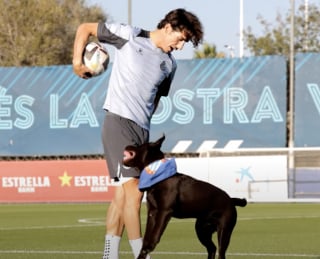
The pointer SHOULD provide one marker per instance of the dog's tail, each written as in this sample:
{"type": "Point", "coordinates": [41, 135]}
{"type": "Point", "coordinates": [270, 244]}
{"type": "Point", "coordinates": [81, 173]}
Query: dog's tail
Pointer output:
{"type": "Point", "coordinates": [239, 202]}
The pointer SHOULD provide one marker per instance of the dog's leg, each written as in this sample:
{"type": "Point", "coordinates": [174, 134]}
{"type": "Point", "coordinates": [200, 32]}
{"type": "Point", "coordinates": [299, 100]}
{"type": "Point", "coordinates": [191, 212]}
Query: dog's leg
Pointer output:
{"type": "Point", "coordinates": [204, 230]}
{"type": "Point", "coordinates": [157, 222]}
{"type": "Point", "coordinates": [224, 236]}
{"type": "Point", "coordinates": [225, 230]}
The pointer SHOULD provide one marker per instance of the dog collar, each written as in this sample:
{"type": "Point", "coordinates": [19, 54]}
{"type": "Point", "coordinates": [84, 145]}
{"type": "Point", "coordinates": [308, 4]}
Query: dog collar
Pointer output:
{"type": "Point", "coordinates": [156, 172]}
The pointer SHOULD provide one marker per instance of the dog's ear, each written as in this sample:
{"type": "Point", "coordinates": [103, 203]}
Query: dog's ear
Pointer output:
{"type": "Point", "coordinates": [157, 143]}
{"type": "Point", "coordinates": [160, 140]}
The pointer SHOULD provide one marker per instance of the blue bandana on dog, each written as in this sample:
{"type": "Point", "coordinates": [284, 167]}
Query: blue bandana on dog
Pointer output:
{"type": "Point", "coordinates": [156, 172]}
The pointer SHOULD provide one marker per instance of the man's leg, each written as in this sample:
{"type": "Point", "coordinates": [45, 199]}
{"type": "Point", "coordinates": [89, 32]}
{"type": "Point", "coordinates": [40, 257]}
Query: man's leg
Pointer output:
{"type": "Point", "coordinates": [114, 219]}
{"type": "Point", "coordinates": [114, 225]}
{"type": "Point", "coordinates": [131, 215]}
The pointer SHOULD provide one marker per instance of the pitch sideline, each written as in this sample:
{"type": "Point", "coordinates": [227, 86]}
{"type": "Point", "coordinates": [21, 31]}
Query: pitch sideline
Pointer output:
{"type": "Point", "coordinates": [159, 253]}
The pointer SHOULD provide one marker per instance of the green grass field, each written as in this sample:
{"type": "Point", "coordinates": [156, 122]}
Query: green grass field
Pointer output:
{"type": "Point", "coordinates": [72, 231]}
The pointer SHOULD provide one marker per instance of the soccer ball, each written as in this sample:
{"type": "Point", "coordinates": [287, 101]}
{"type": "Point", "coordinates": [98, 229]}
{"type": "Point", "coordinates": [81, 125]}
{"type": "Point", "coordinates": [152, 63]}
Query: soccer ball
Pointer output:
{"type": "Point", "coordinates": [96, 58]}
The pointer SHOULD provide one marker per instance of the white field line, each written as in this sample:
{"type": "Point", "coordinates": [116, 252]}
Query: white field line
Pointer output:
{"type": "Point", "coordinates": [89, 222]}
{"type": "Point", "coordinates": [282, 217]}
{"type": "Point", "coordinates": [160, 253]}
{"type": "Point", "coordinates": [50, 227]}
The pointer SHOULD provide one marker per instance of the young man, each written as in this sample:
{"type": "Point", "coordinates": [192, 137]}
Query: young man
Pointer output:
{"type": "Point", "coordinates": [142, 72]}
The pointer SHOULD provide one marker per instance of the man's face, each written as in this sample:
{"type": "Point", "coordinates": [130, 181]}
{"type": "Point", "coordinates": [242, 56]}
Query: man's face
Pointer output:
{"type": "Point", "coordinates": [174, 40]}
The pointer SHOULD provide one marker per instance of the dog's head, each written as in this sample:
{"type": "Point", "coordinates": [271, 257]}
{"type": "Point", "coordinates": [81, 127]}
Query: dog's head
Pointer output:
{"type": "Point", "coordinates": [141, 156]}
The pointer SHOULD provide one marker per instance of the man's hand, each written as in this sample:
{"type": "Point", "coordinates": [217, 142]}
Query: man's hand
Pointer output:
{"type": "Point", "coordinates": [83, 33]}
{"type": "Point", "coordinates": [81, 70]}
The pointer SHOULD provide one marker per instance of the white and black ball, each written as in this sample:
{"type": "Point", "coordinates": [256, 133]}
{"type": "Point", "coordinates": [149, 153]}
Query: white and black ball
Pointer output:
{"type": "Point", "coordinates": [96, 58]}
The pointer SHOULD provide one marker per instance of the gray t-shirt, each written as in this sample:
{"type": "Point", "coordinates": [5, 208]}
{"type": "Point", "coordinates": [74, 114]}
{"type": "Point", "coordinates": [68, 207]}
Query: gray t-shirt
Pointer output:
{"type": "Point", "coordinates": [140, 72]}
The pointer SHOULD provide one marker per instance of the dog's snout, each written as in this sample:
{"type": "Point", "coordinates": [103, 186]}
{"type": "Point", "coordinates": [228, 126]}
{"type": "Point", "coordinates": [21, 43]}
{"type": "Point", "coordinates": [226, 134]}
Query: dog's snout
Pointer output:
{"type": "Point", "coordinates": [128, 155]}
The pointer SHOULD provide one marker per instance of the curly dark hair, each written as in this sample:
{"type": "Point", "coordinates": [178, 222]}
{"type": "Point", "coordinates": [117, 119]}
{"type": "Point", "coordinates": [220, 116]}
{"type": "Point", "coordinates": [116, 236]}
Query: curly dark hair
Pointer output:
{"type": "Point", "coordinates": [182, 20]}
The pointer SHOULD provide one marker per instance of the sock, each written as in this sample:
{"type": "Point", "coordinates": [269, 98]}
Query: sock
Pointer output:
{"type": "Point", "coordinates": [136, 245]}
{"type": "Point", "coordinates": [111, 247]}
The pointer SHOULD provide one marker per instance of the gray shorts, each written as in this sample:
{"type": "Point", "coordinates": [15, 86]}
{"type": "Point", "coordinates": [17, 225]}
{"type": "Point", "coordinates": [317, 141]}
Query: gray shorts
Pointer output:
{"type": "Point", "coordinates": [117, 133]}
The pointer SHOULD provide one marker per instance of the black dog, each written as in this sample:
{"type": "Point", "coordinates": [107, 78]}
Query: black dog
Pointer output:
{"type": "Point", "coordinates": [182, 196]}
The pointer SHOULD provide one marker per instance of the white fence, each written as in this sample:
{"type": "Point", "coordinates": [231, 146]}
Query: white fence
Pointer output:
{"type": "Point", "coordinates": [260, 175]}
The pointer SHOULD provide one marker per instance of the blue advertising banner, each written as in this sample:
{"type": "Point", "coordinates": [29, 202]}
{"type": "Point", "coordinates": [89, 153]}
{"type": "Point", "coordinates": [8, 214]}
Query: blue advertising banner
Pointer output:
{"type": "Point", "coordinates": [215, 101]}
{"type": "Point", "coordinates": [307, 100]}
{"type": "Point", "coordinates": [48, 111]}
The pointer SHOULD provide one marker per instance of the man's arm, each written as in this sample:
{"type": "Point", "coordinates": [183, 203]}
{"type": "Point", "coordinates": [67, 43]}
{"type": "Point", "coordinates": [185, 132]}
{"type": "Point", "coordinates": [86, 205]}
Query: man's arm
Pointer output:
{"type": "Point", "coordinates": [83, 33]}
{"type": "Point", "coordinates": [162, 91]}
